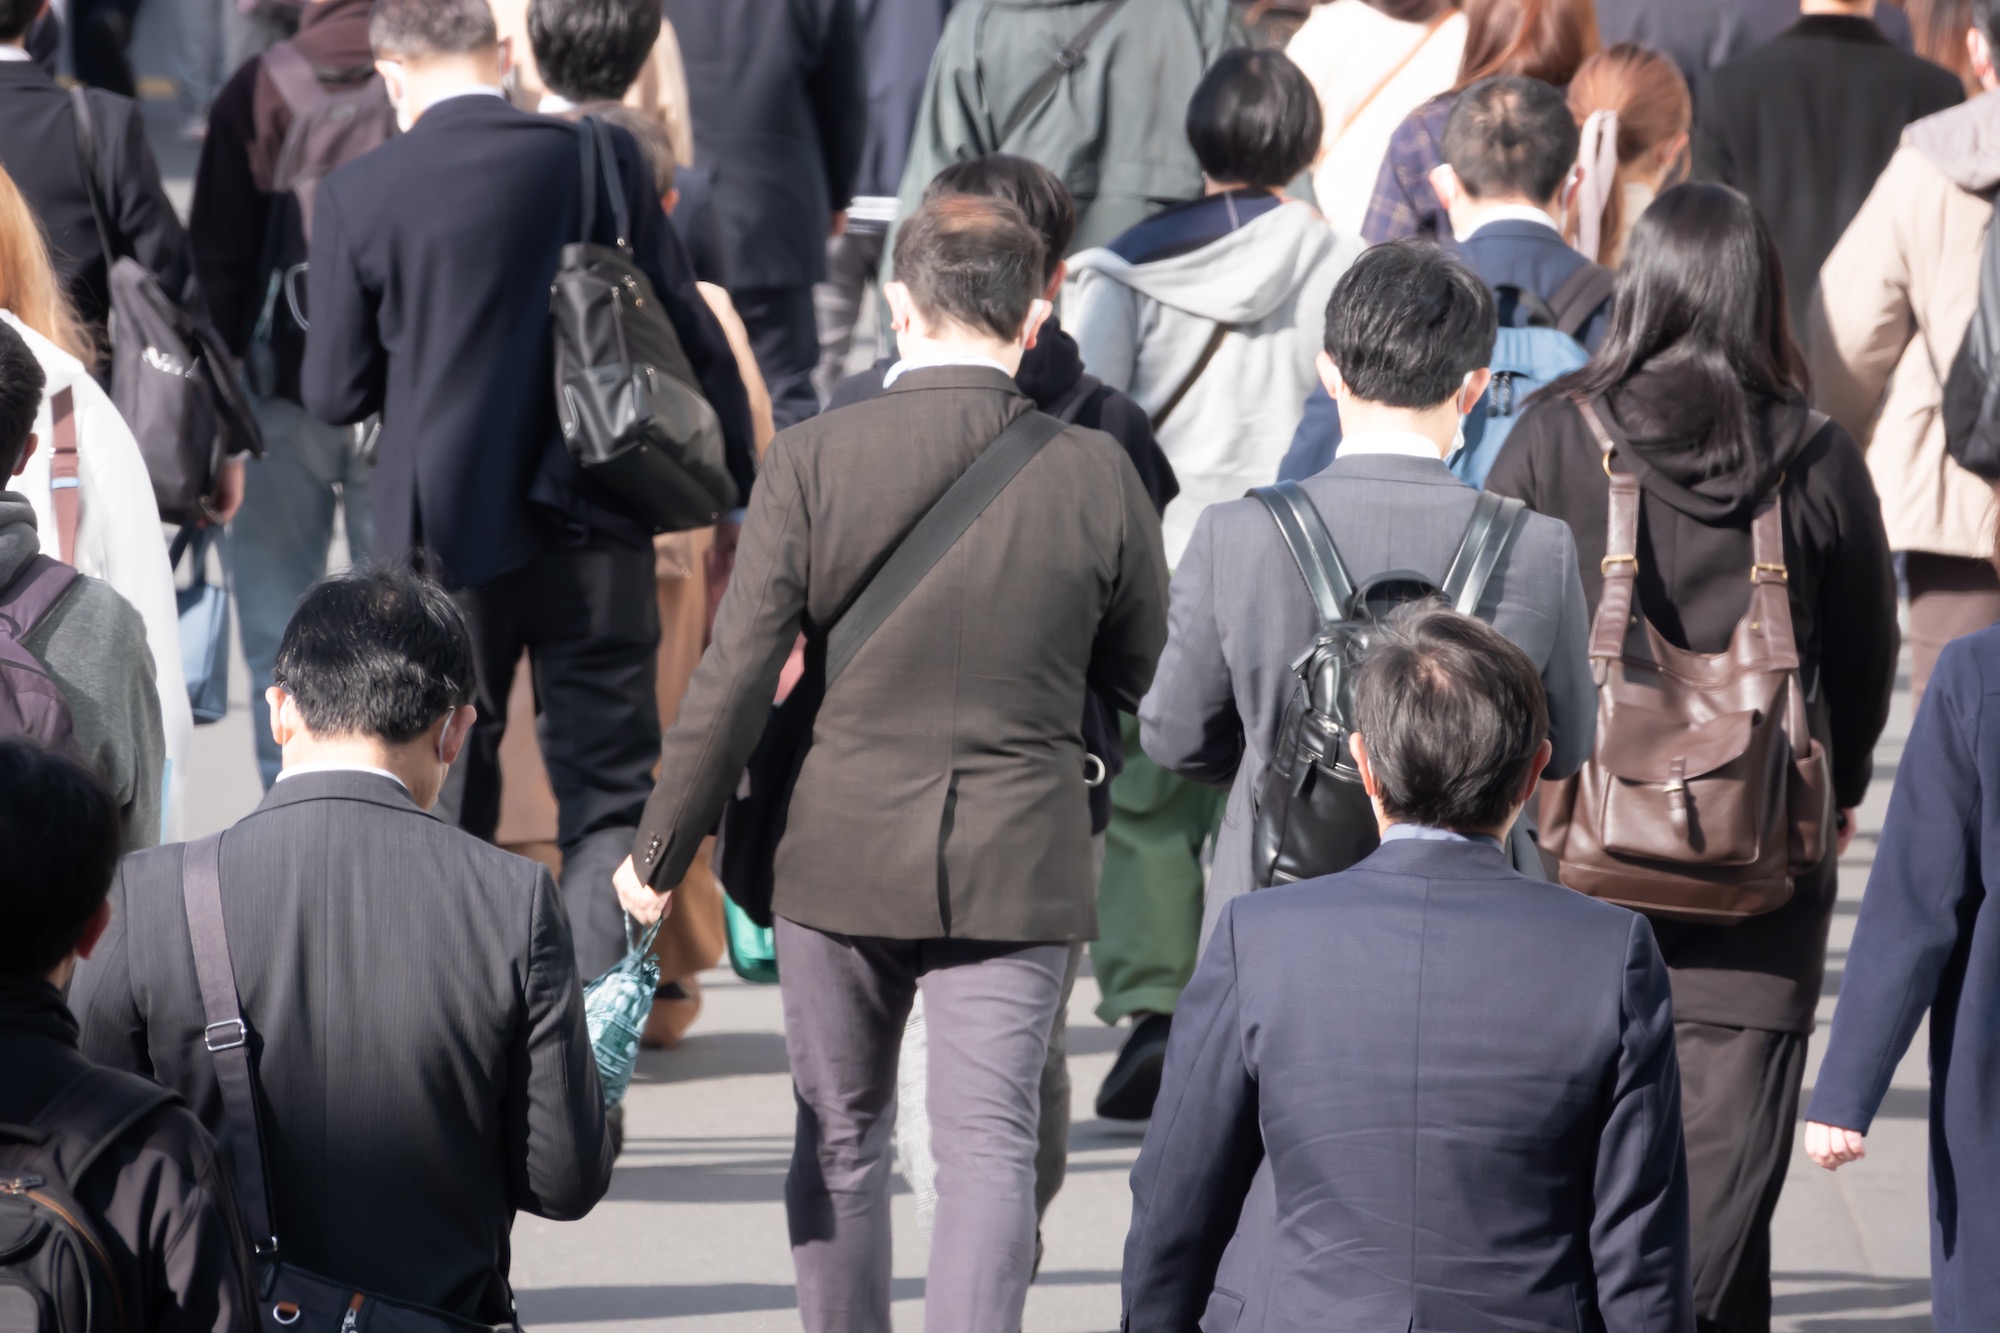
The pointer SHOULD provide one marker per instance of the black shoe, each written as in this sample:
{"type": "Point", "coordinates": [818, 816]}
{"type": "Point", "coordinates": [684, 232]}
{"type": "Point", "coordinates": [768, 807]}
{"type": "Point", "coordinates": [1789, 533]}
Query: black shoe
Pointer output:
{"type": "Point", "coordinates": [1134, 1081]}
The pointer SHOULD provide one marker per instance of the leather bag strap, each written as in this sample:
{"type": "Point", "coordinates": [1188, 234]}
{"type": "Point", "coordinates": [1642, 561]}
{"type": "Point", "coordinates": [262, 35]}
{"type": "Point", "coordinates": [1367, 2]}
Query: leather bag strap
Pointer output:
{"type": "Point", "coordinates": [1494, 521]}
{"type": "Point", "coordinates": [1620, 565]}
{"type": "Point", "coordinates": [86, 157]}
{"type": "Point", "coordinates": [1067, 59]}
{"type": "Point", "coordinates": [226, 1035]}
{"type": "Point", "coordinates": [295, 79]}
{"type": "Point", "coordinates": [936, 533]}
{"type": "Point", "coordinates": [1304, 530]}
{"type": "Point", "coordinates": [64, 488]}
{"type": "Point", "coordinates": [1208, 352]}
{"type": "Point", "coordinates": [1361, 107]}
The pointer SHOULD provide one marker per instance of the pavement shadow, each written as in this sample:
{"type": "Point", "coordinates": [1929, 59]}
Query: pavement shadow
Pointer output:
{"type": "Point", "coordinates": [706, 1055]}
{"type": "Point", "coordinates": [1850, 1302]}
{"type": "Point", "coordinates": [584, 1305]}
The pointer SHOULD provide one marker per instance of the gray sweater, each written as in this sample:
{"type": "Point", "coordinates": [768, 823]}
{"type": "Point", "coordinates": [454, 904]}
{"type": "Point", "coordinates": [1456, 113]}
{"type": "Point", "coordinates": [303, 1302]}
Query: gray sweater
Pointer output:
{"type": "Point", "coordinates": [93, 645]}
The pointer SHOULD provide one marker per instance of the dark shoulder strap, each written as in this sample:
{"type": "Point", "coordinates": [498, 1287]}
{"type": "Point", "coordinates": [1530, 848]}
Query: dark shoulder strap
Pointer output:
{"type": "Point", "coordinates": [86, 156]}
{"type": "Point", "coordinates": [1069, 407]}
{"type": "Point", "coordinates": [1208, 352]}
{"type": "Point", "coordinates": [1494, 521]}
{"type": "Point", "coordinates": [34, 593]}
{"type": "Point", "coordinates": [1304, 530]}
{"type": "Point", "coordinates": [1620, 565]}
{"type": "Point", "coordinates": [1065, 60]}
{"type": "Point", "coordinates": [93, 1111]}
{"type": "Point", "coordinates": [295, 79]}
{"type": "Point", "coordinates": [600, 160]}
{"type": "Point", "coordinates": [226, 1035]}
{"type": "Point", "coordinates": [936, 533]}
{"type": "Point", "coordinates": [1581, 293]}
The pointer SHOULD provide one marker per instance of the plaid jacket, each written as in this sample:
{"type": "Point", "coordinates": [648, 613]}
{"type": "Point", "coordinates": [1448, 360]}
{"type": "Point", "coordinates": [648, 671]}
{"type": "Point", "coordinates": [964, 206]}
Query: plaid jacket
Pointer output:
{"type": "Point", "coordinates": [1404, 202]}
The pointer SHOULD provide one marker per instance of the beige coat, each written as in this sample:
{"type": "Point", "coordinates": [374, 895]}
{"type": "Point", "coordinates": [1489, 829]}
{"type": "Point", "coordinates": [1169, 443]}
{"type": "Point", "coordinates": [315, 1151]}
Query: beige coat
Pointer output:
{"type": "Point", "coordinates": [1893, 302]}
{"type": "Point", "coordinates": [661, 86]}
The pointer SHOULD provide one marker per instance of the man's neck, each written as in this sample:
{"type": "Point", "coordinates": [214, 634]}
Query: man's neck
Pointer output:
{"type": "Point", "coordinates": [444, 77]}
{"type": "Point", "coordinates": [1438, 424]}
{"type": "Point", "coordinates": [1847, 9]}
{"type": "Point", "coordinates": [416, 771]}
{"type": "Point", "coordinates": [1472, 214]}
{"type": "Point", "coordinates": [919, 350]}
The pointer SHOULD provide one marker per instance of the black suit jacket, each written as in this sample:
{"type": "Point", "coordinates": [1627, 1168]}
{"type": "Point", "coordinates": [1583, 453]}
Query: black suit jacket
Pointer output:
{"type": "Point", "coordinates": [1466, 1084]}
{"type": "Point", "coordinates": [780, 104]}
{"type": "Point", "coordinates": [429, 300]}
{"type": "Point", "coordinates": [38, 149]}
{"type": "Point", "coordinates": [418, 1030]}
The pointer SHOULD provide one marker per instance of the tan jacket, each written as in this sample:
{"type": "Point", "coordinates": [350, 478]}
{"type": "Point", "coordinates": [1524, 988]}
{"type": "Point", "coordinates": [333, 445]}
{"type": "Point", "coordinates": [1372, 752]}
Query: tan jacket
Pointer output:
{"type": "Point", "coordinates": [661, 86]}
{"type": "Point", "coordinates": [1893, 301]}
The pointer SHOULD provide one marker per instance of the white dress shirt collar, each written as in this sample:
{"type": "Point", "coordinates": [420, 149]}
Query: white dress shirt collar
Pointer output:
{"type": "Point", "coordinates": [1486, 217]}
{"type": "Point", "coordinates": [299, 770]}
{"type": "Point", "coordinates": [10, 52]}
{"type": "Point", "coordinates": [1402, 443]}
{"type": "Point", "coordinates": [897, 371]}
{"type": "Point", "coordinates": [469, 90]}
{"type": "Point", "coordinates": [554, 103]}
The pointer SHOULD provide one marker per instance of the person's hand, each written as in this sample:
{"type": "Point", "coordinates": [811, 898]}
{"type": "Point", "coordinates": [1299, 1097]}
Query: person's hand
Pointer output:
{"type": "Point", "coordinates": [640, 902]}
{"type": "Point", "coordinates": [1832, 1147]}
{"type": "Point", "coordinates": [228, 490]}
{"type": "Point", "coordinates": [838, 227]}
{"type": "Point", "coordinates": [1843, 831]}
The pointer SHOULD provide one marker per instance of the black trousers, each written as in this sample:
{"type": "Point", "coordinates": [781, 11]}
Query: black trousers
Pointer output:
{"type": "Point", "coordinates": [100, 32]}
{"type": "Point", "coordinates": [784, 334]}
{"type": "Point", "coordinates": [589, 620]}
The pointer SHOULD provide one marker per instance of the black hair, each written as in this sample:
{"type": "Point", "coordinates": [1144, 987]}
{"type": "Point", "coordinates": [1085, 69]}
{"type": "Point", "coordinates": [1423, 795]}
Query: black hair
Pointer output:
{"type": "Point", "coordinates": [648, 131]}
{"type": "Point", "coordinates": [16, 17]}
{"type": "Point", "coordinates": [592, 50]}
{"type": "Point", "coordinates": [1702, 289]}
{"type": "Point", "coordinates": [1029, 186]}
{"type": "Point", "coordinates": [1254, 118]}
{"type": "Point", "coordinates": [21, 385]}
{"type": "Point", "coordinates": [375, 652]}
{"type": "Point", "coordinates": [399, 29]}
{"type": "Point", "coordinates": [972, 260]}
{"type": "Point", "coordinates": [1985, 16]}
{"type": "Point", "coordinates": [59, 839]}
{"type": "Point", "coordinates": [1511, 136]}
{"type": "Point", "coordinates": [1407, 322]}
{"type": "Point", "coordinates": [1452, 715]}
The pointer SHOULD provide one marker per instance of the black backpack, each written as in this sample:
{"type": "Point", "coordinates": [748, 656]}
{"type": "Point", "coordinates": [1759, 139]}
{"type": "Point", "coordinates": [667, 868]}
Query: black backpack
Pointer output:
{"type": "Point", "coordinates": [1972, 389]}
{"type": "Point", "coordinates": [55, 1268]}
{"type": "Point", "coordinates": [1309, 814]}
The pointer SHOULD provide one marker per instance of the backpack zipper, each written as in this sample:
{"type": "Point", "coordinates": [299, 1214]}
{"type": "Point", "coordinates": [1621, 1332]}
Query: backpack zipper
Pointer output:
{"type": "Point", "coordinates": [89, 1239]}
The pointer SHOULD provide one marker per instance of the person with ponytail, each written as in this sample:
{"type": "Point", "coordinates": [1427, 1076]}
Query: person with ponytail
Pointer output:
{"type": "Point", "coordinates": [1634, 110]}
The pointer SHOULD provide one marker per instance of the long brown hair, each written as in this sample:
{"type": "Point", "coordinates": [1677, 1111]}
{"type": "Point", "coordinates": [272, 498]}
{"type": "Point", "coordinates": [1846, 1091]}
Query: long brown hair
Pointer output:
{"type": "Point", "coordinates": [1650, 98]}
{"type": "Point", "coordinates": [28, 283]}
{"type": "Point", "coordinates": [1539, 39]}
{"type": "Point", "coordinates": [1937, 30]}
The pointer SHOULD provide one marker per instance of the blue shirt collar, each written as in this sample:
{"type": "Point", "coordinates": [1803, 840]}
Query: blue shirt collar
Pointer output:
{"type": "Point", "coordinates": [1425, 833]}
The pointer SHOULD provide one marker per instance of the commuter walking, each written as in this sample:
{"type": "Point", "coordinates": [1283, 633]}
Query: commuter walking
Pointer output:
{"type": "Point", "coordinates": [1696, 35]}
{"type": "Point", "coordinates": [1805, 123]}
{"type": "Point", "coordinates": [1698, 390]}
{"type": "Point", "coordinates": [436, 316]}
{"type": "Point", "coordinates": [780, 117]}
{"type": "Point", "coordinates": [144, 1172]}
{"type": "Point", "coordinates": [1461, 1080]}
{"type": "Point", "coordinates": [337, 905]}
{"type": "Point", "coordinates": [938, 837]}
{"type": "Point", "coordinates": [1884, 329]}
{"type": "Point", "coordinates": [1634, 110]}
{"type": "Point", "coordinates": [614, 52]}
{"type": "Point", "coordinates": [1208, 314]}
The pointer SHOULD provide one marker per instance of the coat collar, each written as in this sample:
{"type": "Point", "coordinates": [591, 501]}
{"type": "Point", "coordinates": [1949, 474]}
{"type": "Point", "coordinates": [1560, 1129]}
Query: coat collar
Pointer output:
{"type": "Point", "coordinates": [920, 378]}
{"type": "Point", "coordinates": [341, 785]}
{"type": "Point", "coordinates": [1390, 467]}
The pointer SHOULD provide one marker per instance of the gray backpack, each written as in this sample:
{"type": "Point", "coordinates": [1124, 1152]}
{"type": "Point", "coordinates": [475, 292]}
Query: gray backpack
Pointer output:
{"type": "Point", "coordinates": [31, 704]}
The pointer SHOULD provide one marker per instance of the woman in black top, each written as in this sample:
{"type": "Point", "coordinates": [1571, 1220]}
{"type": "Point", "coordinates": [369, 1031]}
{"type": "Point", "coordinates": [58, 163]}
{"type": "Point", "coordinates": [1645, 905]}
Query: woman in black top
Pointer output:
{"type": "Point", "coordinates": [1702, 389]}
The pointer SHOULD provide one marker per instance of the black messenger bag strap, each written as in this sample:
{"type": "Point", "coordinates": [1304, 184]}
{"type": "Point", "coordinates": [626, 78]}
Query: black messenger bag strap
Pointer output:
{"type": "Point", "coordinates": [86, 160]}
{"type": "Point", "coordinates": [1487, 536]}
{"type": "Point", "coordinates": [936, 533]}
{"type": "Point", "coordinates": [226, 1035]}
{"type": "Point", "coordinates": [1065, 60]}
{"type": "Point", "coordinates": [1311, 545]}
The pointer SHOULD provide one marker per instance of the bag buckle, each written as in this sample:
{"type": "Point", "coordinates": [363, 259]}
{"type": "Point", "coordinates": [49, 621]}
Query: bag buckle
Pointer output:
{"type": "Point", "coordinates": [240, 1035]}
{"type": "Point", "coordinates": [1604, 565]}
{"type": "Point", "coordinates": [1764, 567]}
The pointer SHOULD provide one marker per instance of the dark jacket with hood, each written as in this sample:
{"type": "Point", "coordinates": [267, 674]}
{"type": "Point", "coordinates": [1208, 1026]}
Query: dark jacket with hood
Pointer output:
{"type": "Point", "coordinates": [1050, 372]}
{"type": "Point", "coordinates": [1694, 563]}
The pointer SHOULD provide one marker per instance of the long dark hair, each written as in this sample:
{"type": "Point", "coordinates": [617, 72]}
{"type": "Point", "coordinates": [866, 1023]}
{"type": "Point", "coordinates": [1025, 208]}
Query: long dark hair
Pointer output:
{"type": "Point", "coordinates": [1702, 290]}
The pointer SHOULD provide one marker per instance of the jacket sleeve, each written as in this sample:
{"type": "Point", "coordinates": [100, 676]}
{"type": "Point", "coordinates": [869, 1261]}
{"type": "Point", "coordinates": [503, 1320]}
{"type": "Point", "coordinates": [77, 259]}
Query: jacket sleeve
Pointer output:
{"type": "Point", "coordinates": [344, 374]}
{"type": "Point", "coordinates": [112, 1027]}
{"type": "Point", "coordinates": [1639, 1231]}
{"type": "Point", "coordinates": [142, 217]}
{"type": "Point", "coordinates": [226, 220]}
{"type": "Point", "coordinates": [1188, 723]}
{"type": "Point", "coordinates": [191, 1234]}
{"type": "Point", "coordinates": [1858, 636]}
{"type": "Point", "coordinates": [1566, 676]}
{"type": "Point", "coordinates": [1134, 627]}
{"type": "Point", "coordinates": [1201, 1151]}
{"type": "Point", "coordinates": [1711, 159]}
{"type": "Point", "coordinates": [838, 90]}
{"type": "Point", "coordinates": [558, 1152]}
{"type": "Point", "coordinates": [1103, 316]}
{"type": "Point", "coordinates": [1861, 317]}
{"type": "Point", "coordinates": [1316, 440]}
{"type": "Point", "coordinates": [1927, 871]}
{"type": "Point", "coordinates": [728, 700]}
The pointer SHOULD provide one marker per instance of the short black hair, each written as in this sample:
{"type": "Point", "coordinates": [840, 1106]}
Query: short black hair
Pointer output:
{"type": "Point", "coordinates": [1407, 322]}
{"type": "Point", "coordinates": [21, 385]}
{"type": "Point", "coordinates": [1986, 17]}
{"type": "Point", "coordinates": [16, 17]}
{"type": "Point", "coordinates": [1451, 715]}
{"type": "Point", "coordinates": [378, 652]}
{"type": "Point", "coordinates": [592, 50]}
{"type": "Point", "coordinates": [1029, 186]}
{"type": "Point", "coordinates": [1254, 118]}
{"type": "Point", "coordinates": [1511, 136]}
{"type": "Point", "coordinates": [399, 29]}
{"type": "Point", "coordinates": [972, 260]}
{"type": "Point", "coordinates": [59, 839]}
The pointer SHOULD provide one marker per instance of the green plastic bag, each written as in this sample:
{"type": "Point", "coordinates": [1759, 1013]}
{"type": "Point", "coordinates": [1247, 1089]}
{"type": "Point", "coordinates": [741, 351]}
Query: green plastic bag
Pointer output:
{"type": "Point", "coordinates": [753, 949]}
{"type": "Point", "coordinates": [615, 1009]}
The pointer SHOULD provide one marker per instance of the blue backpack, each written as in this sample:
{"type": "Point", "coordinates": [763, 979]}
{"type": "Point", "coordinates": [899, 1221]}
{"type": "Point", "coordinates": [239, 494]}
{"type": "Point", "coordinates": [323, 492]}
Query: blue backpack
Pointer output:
{"type": "Point", "coordinates": [1528, 359]}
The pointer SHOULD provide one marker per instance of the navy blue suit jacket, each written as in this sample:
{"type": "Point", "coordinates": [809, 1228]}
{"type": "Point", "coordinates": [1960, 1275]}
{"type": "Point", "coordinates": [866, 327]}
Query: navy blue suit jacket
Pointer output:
{"type": "Point", "coordinates": [429, 300]}
{"type": "Point", "coordinates": [1466, 1085]}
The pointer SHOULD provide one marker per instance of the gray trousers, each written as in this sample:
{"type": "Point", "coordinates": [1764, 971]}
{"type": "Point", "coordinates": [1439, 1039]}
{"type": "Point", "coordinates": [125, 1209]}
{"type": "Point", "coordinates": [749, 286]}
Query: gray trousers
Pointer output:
{"type": "Point", "coordinates": [989, 1009]}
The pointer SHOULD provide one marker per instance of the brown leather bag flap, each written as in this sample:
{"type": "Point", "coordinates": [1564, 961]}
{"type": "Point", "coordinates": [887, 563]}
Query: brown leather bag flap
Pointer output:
{"type": "Point", "coordinates": [1645, 745]}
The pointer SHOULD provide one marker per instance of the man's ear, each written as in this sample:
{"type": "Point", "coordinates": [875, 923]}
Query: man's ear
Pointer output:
{"type": "Point", "coordinates": [1359, 749]}
{"type": "Point", "coordinates": [1054, 289]}
{"type": "Point", "coordinates": [670, 201]}
{"type": "Point", "coordinates": [93, 929]}
{"type": "Point", "coordinates": [452, 742]}
{"type": "Point", "coordinates": [27, 452]}
{"type": "Point", "coordinates": [1038, 314]}
{"type": "Point", "coordinates": [1329, 375]}
{"type": "Point", "coordinates": [1475, 385]}
{"type": "Point", "coordinates": [902, 309]}
{"type": "Point", "coordinates": [1535, 770]}
{"type": "Point", "coordinates": [1445, 181]}
{"type": "Point", "coordinates": [284, 714]}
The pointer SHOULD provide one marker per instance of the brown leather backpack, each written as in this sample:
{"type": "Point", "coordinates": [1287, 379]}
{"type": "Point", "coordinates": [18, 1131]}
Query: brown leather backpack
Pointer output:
{"type": "Point", "coordinates": [1706, 792]}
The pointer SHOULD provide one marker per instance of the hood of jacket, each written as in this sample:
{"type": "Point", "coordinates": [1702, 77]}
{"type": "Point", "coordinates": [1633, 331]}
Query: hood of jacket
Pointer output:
{"type": "Point", "coordinates": [1963, 143]}
{"type": "Point", "coordinates": [1669, 451]}
{"type": "Point", "coordinates": [19, 542]}
{"type": "Point", "coordinates": [1051, 367]}
{"type": "Point", "coordinates": [1240, 278]}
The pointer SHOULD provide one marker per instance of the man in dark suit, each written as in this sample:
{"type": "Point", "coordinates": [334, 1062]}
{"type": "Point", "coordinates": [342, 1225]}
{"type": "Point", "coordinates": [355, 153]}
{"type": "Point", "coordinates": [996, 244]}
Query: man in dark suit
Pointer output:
{"type": "Point", "coordinates": [938, 838]}
{"type": "Point", "coordinates": [1805, 123]}
{"type": "Point", "coordinates": [1464, 1080]}
{"type": "Point", "coordinates": [410, 991]}
{"type": "Point", "coordinates": [780, 103]}
{"type": "Point", "coordinates": [432, 258]}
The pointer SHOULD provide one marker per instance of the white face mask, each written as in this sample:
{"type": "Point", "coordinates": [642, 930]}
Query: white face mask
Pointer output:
{"type": "Point", "coordinates": [444, 731]}
{"type": "Point", "coordinates": [1458, 436]}
{"type": "Point", "coordinates": [396, 84]}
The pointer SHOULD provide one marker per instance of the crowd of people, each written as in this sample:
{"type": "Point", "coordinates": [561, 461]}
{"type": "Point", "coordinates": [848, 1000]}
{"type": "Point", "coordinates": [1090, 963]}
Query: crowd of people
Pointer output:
{"type": "Point", "coordinates": [1384, 524]}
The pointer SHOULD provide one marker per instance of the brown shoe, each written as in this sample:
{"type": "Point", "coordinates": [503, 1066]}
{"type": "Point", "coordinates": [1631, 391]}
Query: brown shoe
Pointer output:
{"type": "Point", "coordinates": [676, 1004]}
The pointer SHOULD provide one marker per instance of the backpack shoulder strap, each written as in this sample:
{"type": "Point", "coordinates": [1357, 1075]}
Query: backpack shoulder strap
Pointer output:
{"type": "Point", "coordinates": [295, 79]}
{"type": "Point", "coordinates": [1581, 293]}
{"type": "Point", "coordinates": [1311, 545]}
{"type": "Point", "coordinates": [93, 1111]}
{"type": "Point", "coordinates": [1494, 521]}
{"type": "Point", "coordinates": [1067, 59]}
{"type": "Point", "coordinates": [64, 488]}
{"type": "Point", "coordinates": [1539, 314]}
{"type": "Point", "coordinates": [41, 584]}
{"type": "Point", "coordinates": [86, 157]}
{"type": "Point", "coordinates": [936, 533]}
{"type": "Point", "coordinates": [226, 1035]}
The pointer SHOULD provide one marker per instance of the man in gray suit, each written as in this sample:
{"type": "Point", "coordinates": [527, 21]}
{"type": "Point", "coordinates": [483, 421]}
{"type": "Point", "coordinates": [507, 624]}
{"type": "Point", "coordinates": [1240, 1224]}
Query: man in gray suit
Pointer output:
{"type": "Point", "coordinates": [411, 992]}
{"type": "Point", "coordinates": [1409, 332]}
